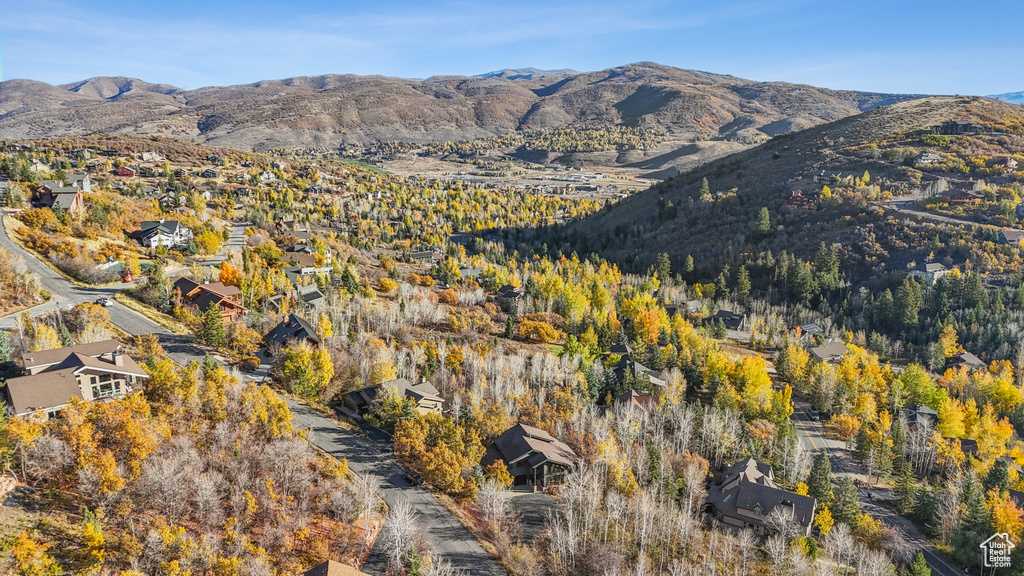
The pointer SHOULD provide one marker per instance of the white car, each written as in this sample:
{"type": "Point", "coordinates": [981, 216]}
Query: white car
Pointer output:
{"type": "Point", "coordinates": [104, 301]}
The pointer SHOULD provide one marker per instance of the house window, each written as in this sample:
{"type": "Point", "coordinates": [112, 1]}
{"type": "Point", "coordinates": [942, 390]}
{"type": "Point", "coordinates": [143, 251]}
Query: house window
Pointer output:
{"type": "Point", "coordinates": [107, 389]}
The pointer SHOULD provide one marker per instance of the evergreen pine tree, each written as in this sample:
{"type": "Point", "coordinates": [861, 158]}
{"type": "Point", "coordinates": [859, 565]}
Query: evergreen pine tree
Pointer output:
{"type": "Point", "coordinates": [899, 441]}
{"type": "Point", "coordinates": [998, 477]}
{"type": "Point", "coordinates": [743, 283]}
{"type": "Point", "coordinates": [905, 492]}
{"type": "Point", "coordinates": [883, 459]}
{"type": "Point", "coordinates": [664, 266]}
{"type": "Point", "coordinates": [211, 331]}
{"type": "Point", "coordinates": [65, 336]}
{"type": "Point", "coordinates": [763, 224]}
{"type": "Point", "coordinates": [819, 482]}
{"type": "Point", "coordinates": [919, 567]}
{"type": "Point", "coordinates": [846, 507]}
{"type": "Point", "coordinates": [863, 443]}
{"type": "Point", "coordinates": [974, 499]}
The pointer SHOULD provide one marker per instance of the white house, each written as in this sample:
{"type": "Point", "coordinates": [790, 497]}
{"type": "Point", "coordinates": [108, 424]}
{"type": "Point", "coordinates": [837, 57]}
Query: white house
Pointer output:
{"type": "Point", "coordinates": [169, 233]}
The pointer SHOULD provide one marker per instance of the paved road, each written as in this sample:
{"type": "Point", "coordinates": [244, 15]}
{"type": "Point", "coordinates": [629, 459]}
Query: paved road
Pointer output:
{"type": "Point", "coordinates": [911, 207]}
{"type": "Point", "coordinates": [812, 438]}
{"type": "Point", "coordinates": [366, 456]}
{"type": "Point", "coordinates": [373, 455]}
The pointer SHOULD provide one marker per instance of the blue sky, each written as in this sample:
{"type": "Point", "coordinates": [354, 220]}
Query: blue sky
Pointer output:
{"type": "Point", "coordinates": [910, 46]}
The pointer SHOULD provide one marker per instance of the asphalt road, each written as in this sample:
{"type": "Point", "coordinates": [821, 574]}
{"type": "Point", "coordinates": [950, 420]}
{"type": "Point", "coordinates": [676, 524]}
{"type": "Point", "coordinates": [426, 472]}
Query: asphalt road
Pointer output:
{"type": "Point", "coordinates": [910, 207]}
{"type": "Point", "coordinates": [374, 455]}
{"type": "Point", "coordinates": [811, 437]}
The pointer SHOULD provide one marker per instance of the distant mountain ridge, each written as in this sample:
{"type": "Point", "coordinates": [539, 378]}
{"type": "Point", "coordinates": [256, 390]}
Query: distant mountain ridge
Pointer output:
{"type": "Point", "coordinates": [525, 73]}
{"type": "Point", "coordinates": [704, 115]}
{"type": "Point", "coordinates": [1011, 97]}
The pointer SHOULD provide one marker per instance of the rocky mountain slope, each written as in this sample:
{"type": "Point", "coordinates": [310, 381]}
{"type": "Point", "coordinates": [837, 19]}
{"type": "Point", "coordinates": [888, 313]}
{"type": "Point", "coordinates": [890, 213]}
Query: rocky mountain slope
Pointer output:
{"type": "Point", "coordinates": [706, 115]}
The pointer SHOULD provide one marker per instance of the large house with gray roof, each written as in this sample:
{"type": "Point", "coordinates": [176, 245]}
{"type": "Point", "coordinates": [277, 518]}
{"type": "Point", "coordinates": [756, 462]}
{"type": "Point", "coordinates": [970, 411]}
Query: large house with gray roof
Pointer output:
{"type": "Point", "coordinates": [748, 495]}
{"type": "Point", "coordinates": [367, 400]}
{"type": "Point", "coordinates": [532, 456]}
{"type": "Point", "coordinates": [90, 372]}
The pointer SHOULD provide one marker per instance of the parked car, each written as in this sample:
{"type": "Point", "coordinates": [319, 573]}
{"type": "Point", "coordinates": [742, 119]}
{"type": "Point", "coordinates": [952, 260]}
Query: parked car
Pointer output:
{"type": "Point", "coordinates": [814, 415]}
{"type": "Point", "coordinates": [413, 478]}
{"type": "Point", "coordinates": [104, 301]}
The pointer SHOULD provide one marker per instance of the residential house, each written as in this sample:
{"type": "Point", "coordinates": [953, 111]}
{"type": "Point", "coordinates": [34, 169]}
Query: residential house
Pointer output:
{"type": "Point", "coordinates": [152, 157]}
{"type": "Point", "coordinates": [303, 297]}
{"type": "Point", "coordinates": [966, 360]}
{"type": "Point", "coordinates": [928, 158]}
{"type": "Point", "coordinates": [226, 298]}
{"type": "Point", "coordinates": [367, 400]}
{"type": "Point", "coordinates": [58, 197]}
{"type": "Point", "coordinates": [629, 368]}
{"type": "Point", "coordinates": [168, 233]}
{"type": "Point", "coordinates": [920, 415]}
{"type": "Point", "coordinates": [80, 179]}
{"type": "Point", "coordinates": [964, 197]}
{"type": "Point", "coordinates": [214, 159]}
{"type": "Point", "coordinates": [1010, 164]}
{"type": "Point", "coordinates": [91, 372]}
{"type": "Point", "coordinates": [509, 294]}
{"type": "Point", "coordinates": [470, 273]}
{"type": "Point", "coordinates": [310, 249]}
{"type": "Point", "coordinates": [810, 333]}
{"type": "Point", "coordinates": [623, 350]}
{"type": "Point", "coordinates": [748, 495]}
{"type": "Point", "coordinates": [797, 198]}
{"type": "Point", "coordinates": [1011, 236]}
{"type": "Point", "coordinates": [957, 127]}
{"type": "Point", "coordinates": [532, 456]}
{"type": "Point", "coordinates": [634, 400]}
{"type": "Point", "coordinates": [831, 352]}
{"type": "Point", "coordinates": [732, 320]}
{"type": "Point", "coordinates": [126, 171]}
{"type": "Point", "coordinates": [929, 272]}
{"type": "Point", "coordinates": [332, 568]}
{"type": "Point", "coordinates": [422, 256]}
{"type": "Point", "coordinates": [292, 329]}
{"type": "Point", "coordinates": [208, 173]}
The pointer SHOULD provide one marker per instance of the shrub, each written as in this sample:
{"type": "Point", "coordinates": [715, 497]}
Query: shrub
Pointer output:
{"type": "Point", "coordinates": [386, 285]}
{"type": "Point", "coordinates": [250, 364]}
{"type": "Point", "coordinates": [449, 297]}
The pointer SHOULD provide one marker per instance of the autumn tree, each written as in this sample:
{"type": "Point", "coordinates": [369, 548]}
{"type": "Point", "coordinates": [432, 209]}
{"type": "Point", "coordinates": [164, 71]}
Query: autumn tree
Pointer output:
{"type": "Point", "coordinates": [306, 370]}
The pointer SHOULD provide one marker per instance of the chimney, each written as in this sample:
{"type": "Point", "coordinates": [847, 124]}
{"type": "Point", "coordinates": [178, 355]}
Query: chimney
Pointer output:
{"type": "Point", "coordinates": [161, 220]}
{"type": "Point", "coordinates": [118, 358]}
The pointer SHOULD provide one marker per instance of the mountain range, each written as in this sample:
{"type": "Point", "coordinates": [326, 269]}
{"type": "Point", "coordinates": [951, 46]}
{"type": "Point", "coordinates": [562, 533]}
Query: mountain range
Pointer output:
{"type": "Point", "coordinates": [704, 115]}
{"type": "Point", "coordinates": [1011, 97]}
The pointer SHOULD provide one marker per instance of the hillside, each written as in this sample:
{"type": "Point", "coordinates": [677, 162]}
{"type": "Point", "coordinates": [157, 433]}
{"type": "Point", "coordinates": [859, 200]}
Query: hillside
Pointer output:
{"type": "Point", "coordinates": [719, 227]}
{"type": "Point", "coordinates": [705, 115]}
